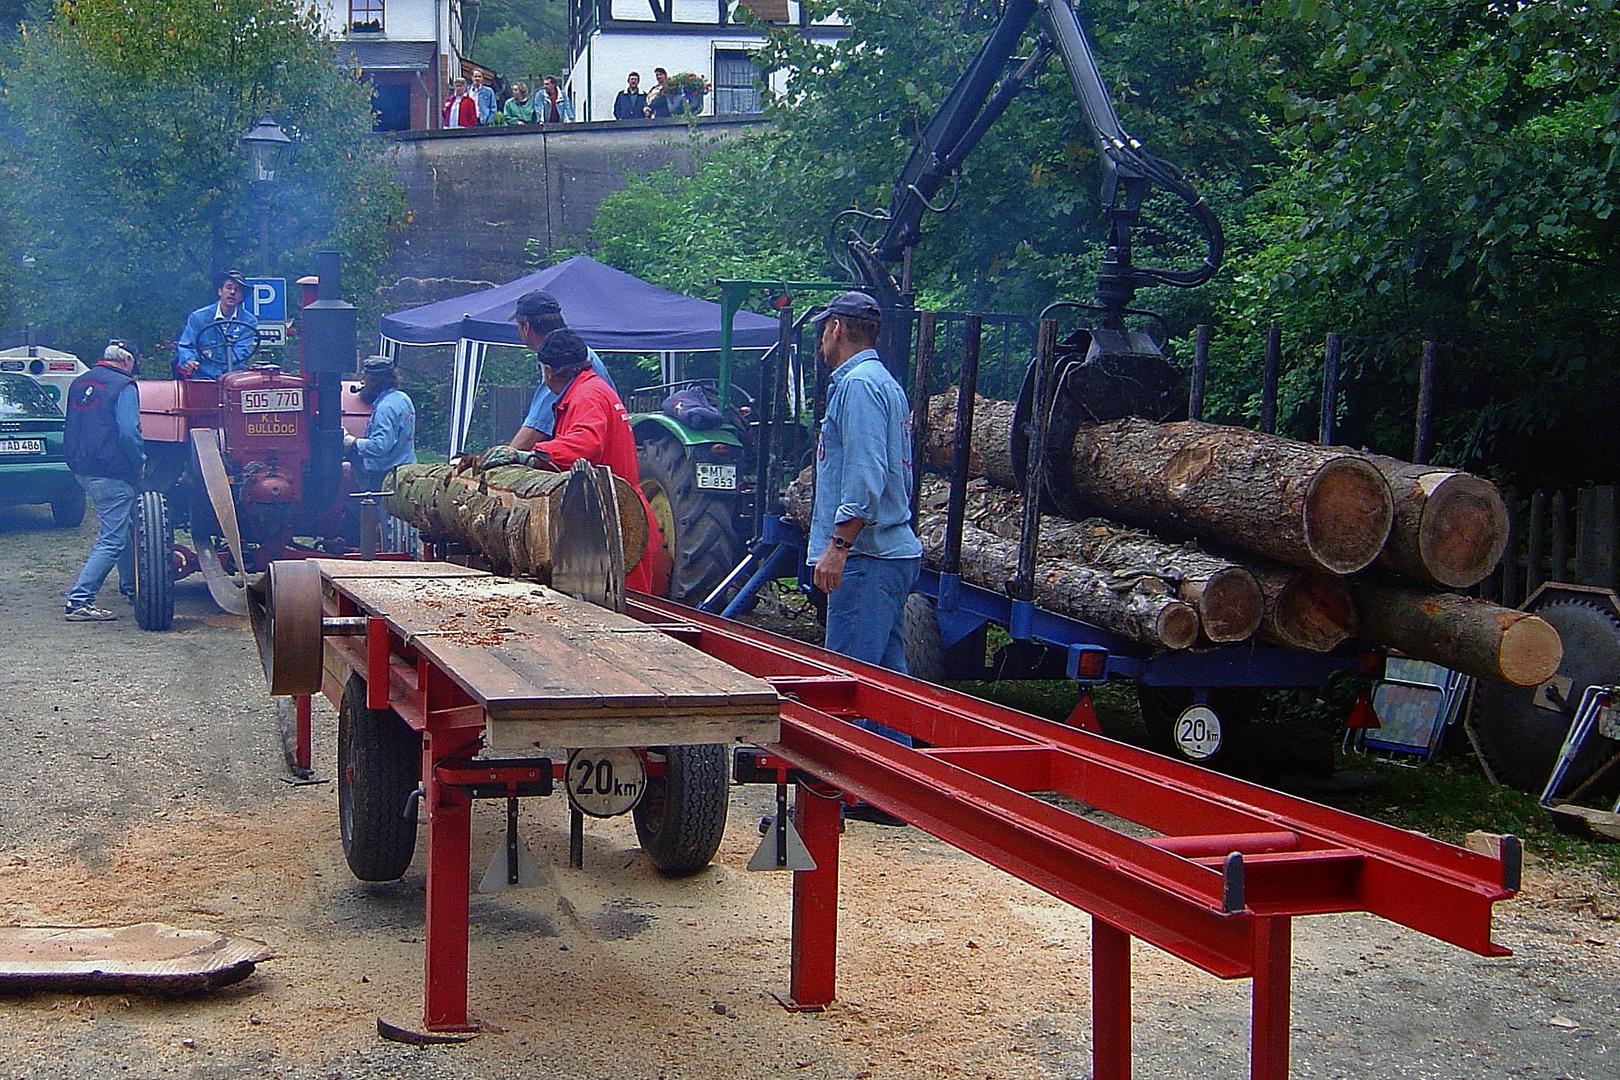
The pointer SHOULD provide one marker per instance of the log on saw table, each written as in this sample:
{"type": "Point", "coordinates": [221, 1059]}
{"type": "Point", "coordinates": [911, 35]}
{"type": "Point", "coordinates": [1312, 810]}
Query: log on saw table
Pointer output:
{"type": "Point", "coordinates": [551, 672]}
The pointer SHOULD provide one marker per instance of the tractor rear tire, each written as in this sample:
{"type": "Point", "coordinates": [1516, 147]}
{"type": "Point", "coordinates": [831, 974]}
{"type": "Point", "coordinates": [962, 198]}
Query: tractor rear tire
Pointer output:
{"type": "Point", "coordinates": [154, 562]}
{"type": "Point", "coordinates": [697, 524]}
{"type": "Point", "coordinates": [682, 816]}
{"type": "Point", "coordinates": [1520, 740]}
{"type": "Point", "coordinates": [379, 766]}
{"type": "Point", "coordinates": [68, 511]}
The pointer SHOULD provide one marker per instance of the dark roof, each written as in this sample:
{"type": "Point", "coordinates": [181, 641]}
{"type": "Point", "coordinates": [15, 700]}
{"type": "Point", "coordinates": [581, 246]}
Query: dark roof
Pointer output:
{"type": "Point", "coordinates": [387, 55]}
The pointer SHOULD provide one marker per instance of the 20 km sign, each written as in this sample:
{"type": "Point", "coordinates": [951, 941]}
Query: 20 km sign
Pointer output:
{"type": "Point", "coordinates": [605, 782]}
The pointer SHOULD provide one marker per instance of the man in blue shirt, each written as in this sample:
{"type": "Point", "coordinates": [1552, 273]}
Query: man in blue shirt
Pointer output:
{"type": "Point", "coordinates": [203, 352]}
{"type": "Point", "coordinates": [538, 316]}
{"type": "Point", "coordinates": [865, 554]}
{"type": "Point", "coordinates": [102, 440]}
{"type": "Point", "coordinates": [390, 437]}
{"type": "Point", "coordinates": [484, 96]}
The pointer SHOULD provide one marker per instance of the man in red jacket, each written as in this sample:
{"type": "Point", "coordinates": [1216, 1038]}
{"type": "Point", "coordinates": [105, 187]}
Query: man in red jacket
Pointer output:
{"type": "Point", "coordinates": [591, 425]}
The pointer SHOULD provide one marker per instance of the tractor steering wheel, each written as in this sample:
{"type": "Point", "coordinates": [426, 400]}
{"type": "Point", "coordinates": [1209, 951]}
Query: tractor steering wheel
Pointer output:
{"type": "Point", "coordinates": [221, 339]}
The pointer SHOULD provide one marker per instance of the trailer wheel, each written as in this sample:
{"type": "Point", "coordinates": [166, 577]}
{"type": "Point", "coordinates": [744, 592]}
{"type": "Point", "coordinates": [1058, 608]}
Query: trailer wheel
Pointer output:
{"type": "Point", "coordinates": [682, 816]}
{"type": "Point", "coordinates": [68, 511]}
{"type": "Point", "coordinates": [1203, 738]}
{"type": "Point", "coordinates": [925, 649]}
{"type": "Point", "coordinates": [154, 562]}
{"type": "Point", "coordinates": [698, 533]}
{"type": "Point", "coordinates": [1520, 739]}
{"type": "Point", "coordinates": [379, 766]}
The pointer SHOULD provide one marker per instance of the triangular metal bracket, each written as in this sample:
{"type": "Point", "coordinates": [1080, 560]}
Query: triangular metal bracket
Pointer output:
{"type": "Point", "coordinates": [782, 848]}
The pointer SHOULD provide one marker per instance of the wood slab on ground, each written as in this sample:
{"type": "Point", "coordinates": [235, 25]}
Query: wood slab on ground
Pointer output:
{"type": "Point", "coordinates": [148, 957]}
{"type": "Point", "coordinates": [552, 671]}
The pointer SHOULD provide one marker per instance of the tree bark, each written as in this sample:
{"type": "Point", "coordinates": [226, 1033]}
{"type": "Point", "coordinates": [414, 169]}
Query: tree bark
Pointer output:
{"type": "Point", "coordinates": [1450, 528]}
{"type": "Point", "coordinates": [1307, 505]}
{"type": "Point", "coordinates": [503, 515]}
{"type": "Point", "coordinates": [1475, 637]}
{"type": "Point", "coordinates": [1140, 607]}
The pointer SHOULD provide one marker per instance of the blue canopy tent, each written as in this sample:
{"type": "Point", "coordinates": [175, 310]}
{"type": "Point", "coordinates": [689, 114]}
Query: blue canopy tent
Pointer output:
{"type": "Point", "coordinates": [612, 310]}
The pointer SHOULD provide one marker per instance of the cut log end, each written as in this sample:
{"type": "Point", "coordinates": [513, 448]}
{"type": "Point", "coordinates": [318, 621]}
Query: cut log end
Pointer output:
{"type": "Point", "coordinates": [1177, 626]}
{"type": "Point", "coordinates": [1230, 605]}
{"type": "Point", "coordinates": [1348, 513]}
{"type": "Point", "coordinates": [1463, 531]}
{"type": "Point", "coordinates": [1313, 612]}
{"type": "Point", "coordinates": [1530, 651]}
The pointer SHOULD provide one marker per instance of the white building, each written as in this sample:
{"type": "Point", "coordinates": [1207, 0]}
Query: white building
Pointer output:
{"type": "Point", "coordinates": [608, 39]}
{"type": "Point", "coordinates": [407, 49]}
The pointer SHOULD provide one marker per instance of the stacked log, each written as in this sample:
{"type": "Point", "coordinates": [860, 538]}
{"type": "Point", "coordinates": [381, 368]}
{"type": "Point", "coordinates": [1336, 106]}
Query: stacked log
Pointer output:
{"type": "Point", "coordinates": [1449, 529]}
{"type": "Point", "coordinates": [503, 515]}
{"type": "Point", "coordinates": [1466, 634]}
{"type": "Point", "coordinates": [1318, 507]}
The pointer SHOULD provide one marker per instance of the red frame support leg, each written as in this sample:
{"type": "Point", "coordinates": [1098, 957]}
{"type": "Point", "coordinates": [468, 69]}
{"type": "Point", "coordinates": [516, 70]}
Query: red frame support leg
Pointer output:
{"type": "Point", "coordinates": [1268, 1036]}
{"type": "Point", "coordinates": [815, 903]}
{"type": "Point", "coordinates": [1110, 1002]}
{"type": "Point", "coordinates": [449, 810]}
{"type": "Point", "coordinates": [302, 716]}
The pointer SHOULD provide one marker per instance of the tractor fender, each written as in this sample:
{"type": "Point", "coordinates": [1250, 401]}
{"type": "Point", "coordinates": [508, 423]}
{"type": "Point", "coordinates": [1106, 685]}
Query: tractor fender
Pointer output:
{"type": "Point", "coordinates": [652, 424]}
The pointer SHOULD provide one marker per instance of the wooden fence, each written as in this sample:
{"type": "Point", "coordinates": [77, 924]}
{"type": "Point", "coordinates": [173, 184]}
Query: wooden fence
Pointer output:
{"type": "Point", "coordinates": [1557, 536]}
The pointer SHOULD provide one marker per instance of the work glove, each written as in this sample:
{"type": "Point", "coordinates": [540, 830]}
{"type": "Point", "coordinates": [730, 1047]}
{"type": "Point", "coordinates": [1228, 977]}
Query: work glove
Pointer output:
{"type": "Point", "coordinates": [497, 456]}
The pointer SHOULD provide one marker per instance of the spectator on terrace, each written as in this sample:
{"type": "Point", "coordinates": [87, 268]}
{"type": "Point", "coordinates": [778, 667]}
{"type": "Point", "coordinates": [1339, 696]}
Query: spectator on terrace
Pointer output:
{"type": "Point", "coordinates": [555, 108]}
{"type": "Point", "coordinates": [519, 108]}
{"type": "Point", "coordinates": [484, 96]}
{"type": "Point", "coordinates": [460, 110]}
{"type": "Point", "coordinates": [658, 97]}
{"type": "Point", "coordinates": [630, 102]}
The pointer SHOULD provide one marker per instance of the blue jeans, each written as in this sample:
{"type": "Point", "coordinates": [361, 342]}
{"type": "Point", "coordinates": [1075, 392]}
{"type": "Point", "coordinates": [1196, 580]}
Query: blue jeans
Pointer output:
{"type": "Point", "coordinates": [866, 618]}
{"type": "Point", "coordinates": [113, 499]}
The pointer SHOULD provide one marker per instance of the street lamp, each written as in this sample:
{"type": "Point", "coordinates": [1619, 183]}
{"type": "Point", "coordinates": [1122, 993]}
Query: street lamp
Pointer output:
{"type": "Point", "coordinates": [268, 148]}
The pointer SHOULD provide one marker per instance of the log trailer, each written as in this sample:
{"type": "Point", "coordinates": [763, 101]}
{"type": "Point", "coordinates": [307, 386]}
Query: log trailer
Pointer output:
{"type": "Point", "coordinates": [452, 685]}
{"type": "Point", "coordinates": [248, 461]}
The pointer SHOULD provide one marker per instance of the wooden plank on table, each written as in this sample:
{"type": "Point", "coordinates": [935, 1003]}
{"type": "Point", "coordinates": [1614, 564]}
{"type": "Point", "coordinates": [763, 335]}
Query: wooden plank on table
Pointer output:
{"type": "Point", "coordinates": [346, 569]}
{"type": "Point", "coordinates": [524, 651]}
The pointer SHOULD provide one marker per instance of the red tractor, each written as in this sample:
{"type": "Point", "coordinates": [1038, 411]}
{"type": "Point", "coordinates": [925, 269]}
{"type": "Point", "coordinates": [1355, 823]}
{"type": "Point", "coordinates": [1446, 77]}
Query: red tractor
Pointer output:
{"type": "Point", "coordinates": [248, 461]}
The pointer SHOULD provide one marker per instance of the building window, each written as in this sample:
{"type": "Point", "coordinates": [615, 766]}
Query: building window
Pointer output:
{"type": "Point", "coordinates": [736, 82]}
{"type": "Point", "coordinates": [365, 14]}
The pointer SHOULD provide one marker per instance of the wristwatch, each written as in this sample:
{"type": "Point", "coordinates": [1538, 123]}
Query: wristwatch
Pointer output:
{"type": "Point", "coordinates": [841, 544]}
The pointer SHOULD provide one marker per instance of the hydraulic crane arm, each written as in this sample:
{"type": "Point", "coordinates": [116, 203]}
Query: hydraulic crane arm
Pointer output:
{"type": "Point", "coordinates": [974, 103]}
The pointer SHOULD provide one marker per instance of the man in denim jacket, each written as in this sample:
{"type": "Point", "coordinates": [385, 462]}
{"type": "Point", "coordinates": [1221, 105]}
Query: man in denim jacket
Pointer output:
{"type": "Point", "coordinates": [869, 557]}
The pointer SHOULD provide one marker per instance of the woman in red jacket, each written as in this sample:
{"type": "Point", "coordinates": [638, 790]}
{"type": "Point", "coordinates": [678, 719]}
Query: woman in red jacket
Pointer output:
{"type": "Point", "coordinates": [459, 109]}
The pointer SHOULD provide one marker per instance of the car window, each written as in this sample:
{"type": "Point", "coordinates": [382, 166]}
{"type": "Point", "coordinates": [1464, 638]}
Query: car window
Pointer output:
{"type": "Point", "coordinates": [21, 398]}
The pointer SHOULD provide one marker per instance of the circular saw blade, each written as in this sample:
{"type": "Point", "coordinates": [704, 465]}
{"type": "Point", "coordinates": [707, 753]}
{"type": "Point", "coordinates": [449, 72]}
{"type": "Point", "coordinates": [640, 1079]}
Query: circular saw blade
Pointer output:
{"type": "Point", "coordinates": [587, 552]}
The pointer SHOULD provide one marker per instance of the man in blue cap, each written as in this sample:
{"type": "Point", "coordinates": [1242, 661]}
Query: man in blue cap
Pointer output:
{"type": "Point", "coordinates": [217, 337]}
{"type": "Point", "coordinates": [390, 437]}
{"type": "Point", "coordinates": [538, 315]}
{"type": "Point", "coordinates": [865, 554]}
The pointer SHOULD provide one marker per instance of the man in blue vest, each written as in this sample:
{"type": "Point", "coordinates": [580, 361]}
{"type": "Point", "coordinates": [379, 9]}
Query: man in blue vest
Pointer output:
{"type": "Point", "coordinates": [102, 439]}
{"type": "Point", "coordinates": [204, 353]}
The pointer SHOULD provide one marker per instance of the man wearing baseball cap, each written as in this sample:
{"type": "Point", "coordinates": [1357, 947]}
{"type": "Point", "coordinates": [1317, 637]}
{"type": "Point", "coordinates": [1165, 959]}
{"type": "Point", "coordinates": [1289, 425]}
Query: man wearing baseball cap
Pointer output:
{"type": "Point", "coordinates": [226, 347]}
{"type": "Point", "coordinates": [865, 554]}
{"type": "Point", "coordinates": [538, 314]}
{"type": "Point", "coordinates": [390, 437]}
{"type": "Point", "coordinates": [592, 426]}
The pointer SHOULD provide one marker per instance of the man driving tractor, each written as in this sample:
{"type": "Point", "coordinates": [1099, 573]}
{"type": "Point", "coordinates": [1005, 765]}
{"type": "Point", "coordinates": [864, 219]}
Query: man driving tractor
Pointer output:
{"type": "Point", "coordinates": [218, 337]}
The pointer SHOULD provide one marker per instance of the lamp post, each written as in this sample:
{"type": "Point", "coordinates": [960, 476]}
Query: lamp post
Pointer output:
{"type": "Point", "coordinates": [267, 149]}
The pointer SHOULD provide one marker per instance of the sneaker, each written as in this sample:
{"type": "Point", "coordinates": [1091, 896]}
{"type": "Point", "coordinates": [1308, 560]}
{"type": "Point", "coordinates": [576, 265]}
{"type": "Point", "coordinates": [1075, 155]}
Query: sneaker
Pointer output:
{"type": "Point", "coordinates": [88, 613]}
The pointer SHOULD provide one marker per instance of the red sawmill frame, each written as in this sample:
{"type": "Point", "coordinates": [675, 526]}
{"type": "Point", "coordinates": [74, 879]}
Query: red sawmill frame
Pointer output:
{"type": "Point", "coordinates": [1219, 885]}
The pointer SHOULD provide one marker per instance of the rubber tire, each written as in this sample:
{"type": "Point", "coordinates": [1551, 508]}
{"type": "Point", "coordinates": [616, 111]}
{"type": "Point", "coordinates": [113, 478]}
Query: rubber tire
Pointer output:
{"type": "Point", "coordinates": [697, 524]}
{"type": "Point", "coordinates": [925, 648]}
{"type": "Point", "coordinates": [68, 511]}
{"type": "Point", "coordinates": [682, 817]}
{"type": "Point", "coordinates": [1163, 705]}
{"type": "Point", "coordinates": [154, 562]}
{"type": "Point", "coordinates": [379, 765]}
{"type": "Point", "coordinates": [1520, 741]}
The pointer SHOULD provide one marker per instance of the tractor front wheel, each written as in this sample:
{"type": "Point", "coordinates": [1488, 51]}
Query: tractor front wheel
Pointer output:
{"type": "Point", "coordinates": [154, 562]}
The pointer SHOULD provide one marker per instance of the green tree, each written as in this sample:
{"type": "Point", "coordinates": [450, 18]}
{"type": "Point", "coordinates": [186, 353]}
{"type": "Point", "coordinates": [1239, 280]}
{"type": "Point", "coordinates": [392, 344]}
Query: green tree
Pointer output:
{"type": "Point", "coordinates": [123, 179]}
{"type": "Point", "coordinates": [517, 56]}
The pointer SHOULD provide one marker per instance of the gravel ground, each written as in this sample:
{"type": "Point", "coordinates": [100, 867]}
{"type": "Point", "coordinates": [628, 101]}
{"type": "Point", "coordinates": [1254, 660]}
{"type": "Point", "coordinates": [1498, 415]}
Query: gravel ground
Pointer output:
{"type": "Point", "coordinates": [149, 786]}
